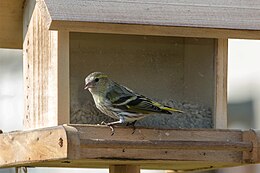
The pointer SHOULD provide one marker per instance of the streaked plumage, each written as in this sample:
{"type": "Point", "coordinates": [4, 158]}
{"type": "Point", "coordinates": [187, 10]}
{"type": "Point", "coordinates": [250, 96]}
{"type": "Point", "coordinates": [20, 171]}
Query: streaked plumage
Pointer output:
{"type": "Point", "coordinates": [119, 102]}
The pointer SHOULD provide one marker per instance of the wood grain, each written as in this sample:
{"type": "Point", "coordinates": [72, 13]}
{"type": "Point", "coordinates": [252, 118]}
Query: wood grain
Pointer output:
{"type": "Point", "coordinates": [103, 132]}
{"type": "Point", "coordinates": [46, 56]}
{"type": "Point", "coordinates": [160, 144]}
{"type": "Point", "coordinates": [73, 146]}
{"type": "Point", "coordinates": [11, 25]}
{"type": "Point", "coordinates": [254, 137]}
{"type": "Point", "coordinates": [209, 14]}
{"type": "Point", "coordinates": [32, 146]}
{"type": "Point", "coordinates": [63, 76]}
{"type": "Point", "coordinates": [40, 66]}
{"type": "Point", "coordinates": [221, 65]}
{"type": "Point", "coordinates": [142, 137]}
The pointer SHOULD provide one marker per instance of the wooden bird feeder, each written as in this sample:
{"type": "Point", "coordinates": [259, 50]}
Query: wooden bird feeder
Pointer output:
{"type": "Point", "coordinates": [162, 49]}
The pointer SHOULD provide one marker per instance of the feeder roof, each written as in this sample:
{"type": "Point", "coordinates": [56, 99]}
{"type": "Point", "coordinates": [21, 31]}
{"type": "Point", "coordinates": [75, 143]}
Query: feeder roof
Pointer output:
{"type": "Point", "coordinates": [231, 14]}
{"type": "Point", "coordinates": [221, 14]}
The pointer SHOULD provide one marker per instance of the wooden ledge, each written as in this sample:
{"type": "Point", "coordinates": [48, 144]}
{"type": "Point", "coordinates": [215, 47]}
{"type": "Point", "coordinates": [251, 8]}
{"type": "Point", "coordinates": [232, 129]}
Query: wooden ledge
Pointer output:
{"type": "Point", "coordinates": [93, 146]}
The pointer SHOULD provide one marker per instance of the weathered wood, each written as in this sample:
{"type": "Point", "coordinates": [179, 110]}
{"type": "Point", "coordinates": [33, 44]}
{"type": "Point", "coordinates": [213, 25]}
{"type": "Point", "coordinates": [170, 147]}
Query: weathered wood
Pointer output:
{"type": "Point", "coordinates": [124, 169]}
{"type": "Point", "coordinates": [45, 70]}
{"type": "Point", "coordinates": [32, 146]}
{"type": "Point", "coordinates": [103, 132]}
{"type": "Point", "coordinates": [95, 132]}
{"type": "Point", "coordinates": [254, 155]}
{"type": "Point", "coordinates": [209, 14]}
{"type": "Point", "coordinates": [221, 64]}
{"type": "Point", "coordinates": [11, 25]}
{"type": "Point", "coordinates": [87, 146]}
{"type": "Point", "coordinates": [161, 144]}
{"type": "Point", "coordinates": [40, 53]}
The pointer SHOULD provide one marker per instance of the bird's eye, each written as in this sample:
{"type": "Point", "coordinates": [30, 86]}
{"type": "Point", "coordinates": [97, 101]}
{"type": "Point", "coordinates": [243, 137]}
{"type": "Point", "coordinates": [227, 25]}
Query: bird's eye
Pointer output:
{"type": "Point", "coordinates": [97, 79]}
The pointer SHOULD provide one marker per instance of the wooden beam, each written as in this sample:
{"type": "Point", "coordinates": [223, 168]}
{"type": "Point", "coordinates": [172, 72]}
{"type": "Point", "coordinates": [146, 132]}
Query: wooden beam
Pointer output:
{"type": "Point", "coordinates": [135, 29]}
{"type": "Point", "coordinates": [164, 144]}
{"type": "Point", "coordinates": [40, 69]}
{"type": "Point", "coordinates": [93, 146]}
{"type": "Point", "coordinates": [63, 76]}
{"type": "Point", "coordinates": [46, 70]}
{"type": "Point", "coordinates": [221, 65]}
{"type": "Point", "coordinates": [32, 146]}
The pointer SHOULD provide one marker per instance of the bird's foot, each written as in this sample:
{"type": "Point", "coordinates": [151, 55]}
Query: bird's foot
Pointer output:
{"type": "Point", "coordinates": [133, 125]}
{"type": "Point", "coordinates": [112, 129]}
{"type": "Point", "coordinates": [133, 130]}
{"type": "Point", "coordinates": [110, 125]}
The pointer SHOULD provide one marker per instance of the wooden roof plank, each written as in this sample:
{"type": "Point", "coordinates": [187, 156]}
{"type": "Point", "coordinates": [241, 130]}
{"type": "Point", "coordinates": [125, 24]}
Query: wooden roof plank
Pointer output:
{"type": "Point", "coordinates": [209, 14]}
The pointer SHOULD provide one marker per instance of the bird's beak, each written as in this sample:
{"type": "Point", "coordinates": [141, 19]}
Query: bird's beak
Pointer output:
{"type": "Point", "coordinates": [88, 85]}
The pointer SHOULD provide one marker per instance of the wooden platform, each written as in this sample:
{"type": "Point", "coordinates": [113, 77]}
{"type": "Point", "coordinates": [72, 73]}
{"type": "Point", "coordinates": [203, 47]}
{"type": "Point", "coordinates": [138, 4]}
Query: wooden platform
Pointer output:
{"type": "Point", "coordinates": [93, 146]}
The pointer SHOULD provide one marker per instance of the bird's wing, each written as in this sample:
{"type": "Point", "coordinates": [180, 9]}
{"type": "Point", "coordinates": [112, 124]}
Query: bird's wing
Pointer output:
{"type": "Point", "coordinates": [118, 93]}
{"type": "Point", "coordinates": [126, 100]}
{"type": "Point", "coordinates": [139, 104]}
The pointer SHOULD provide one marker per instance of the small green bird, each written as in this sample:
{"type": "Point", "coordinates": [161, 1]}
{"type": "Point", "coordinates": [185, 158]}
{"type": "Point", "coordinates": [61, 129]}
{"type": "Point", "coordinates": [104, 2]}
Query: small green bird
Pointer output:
{"type": "Point", "coordinates": [121, 103]}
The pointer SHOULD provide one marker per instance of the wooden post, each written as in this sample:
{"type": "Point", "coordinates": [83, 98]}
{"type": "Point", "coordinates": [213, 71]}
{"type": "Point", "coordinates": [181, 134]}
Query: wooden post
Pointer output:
{"type": "Point", "coordinates": [221, 61]}
{"type": "Point", "coordinates": [46, 69]}
{"type": "Point", "coordinates": [124, 169]}
{"type": "Point", "coordinates": [63, 100]}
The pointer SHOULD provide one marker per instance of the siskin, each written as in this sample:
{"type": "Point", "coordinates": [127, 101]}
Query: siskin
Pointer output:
{"type": "Point", "coordinates": [121, 103]}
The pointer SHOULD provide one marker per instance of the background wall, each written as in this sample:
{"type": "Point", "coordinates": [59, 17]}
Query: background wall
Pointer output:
{"type": "Point", "coordinates": [176, 71]}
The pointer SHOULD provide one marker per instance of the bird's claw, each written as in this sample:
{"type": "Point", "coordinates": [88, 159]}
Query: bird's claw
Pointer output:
{"type": "Point", "coordinates": [112, 129]}
{"type": "Point", "coordinates": [133, 125]}
{"type": "Point", "coordinates": [110, 126]}
{"type": "Point", "coordinates": [133, 130]}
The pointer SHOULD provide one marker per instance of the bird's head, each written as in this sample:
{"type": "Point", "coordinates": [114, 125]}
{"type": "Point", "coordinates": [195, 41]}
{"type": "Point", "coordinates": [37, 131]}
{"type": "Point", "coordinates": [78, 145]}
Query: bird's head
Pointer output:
{"type": "Point", "coordinates": [96, 81]}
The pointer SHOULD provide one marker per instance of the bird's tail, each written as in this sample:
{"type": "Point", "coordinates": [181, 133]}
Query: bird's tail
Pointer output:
{"type": "Point", "coordinates": [166, 108]}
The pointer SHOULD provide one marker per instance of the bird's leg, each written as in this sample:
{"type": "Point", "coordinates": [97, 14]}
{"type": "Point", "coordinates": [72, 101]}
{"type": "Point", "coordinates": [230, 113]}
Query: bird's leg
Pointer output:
{"type": "Point", "coordinates": [133, 125]}
{"type": "Point", "coordinates": [103, 123]}
{"type": "Point", "coordinates": [111, 125]}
